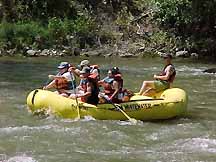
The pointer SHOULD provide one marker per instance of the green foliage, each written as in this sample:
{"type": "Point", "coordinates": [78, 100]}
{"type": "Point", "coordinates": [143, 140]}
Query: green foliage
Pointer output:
{"type": "Point", "coordinates": [43, 9]}
{"type": "Point", "coordinates": [143, 5]}
{"type": "Point", "coordinates": [6, 31]}
{"type": "Point", "coordinates": [21, 34]}
{"type": "Point", "coordinates": [163, 41]}
{"type": "Point", "coordinates": [56, 29]}
{"type": "Point", "coordinates": [173, 13]}
{"type": "Point", "coordinates": [46, 23]}
{"type": "Point", "coordinates": [34, 34]}
{"type": "Point", "coordinates": [123, 18]}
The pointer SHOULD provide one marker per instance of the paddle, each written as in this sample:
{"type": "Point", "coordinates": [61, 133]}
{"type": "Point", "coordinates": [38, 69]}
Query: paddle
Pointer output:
{"type": "Point", "coordinates": [132, 120]}
{"type": "Point", "coordinates": [77, 104]}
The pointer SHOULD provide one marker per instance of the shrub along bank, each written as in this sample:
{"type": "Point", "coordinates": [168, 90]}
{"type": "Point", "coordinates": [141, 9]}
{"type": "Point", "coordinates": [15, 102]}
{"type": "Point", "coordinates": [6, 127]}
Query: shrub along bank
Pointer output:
{"type": "Point", "coordinates": [107, 27]}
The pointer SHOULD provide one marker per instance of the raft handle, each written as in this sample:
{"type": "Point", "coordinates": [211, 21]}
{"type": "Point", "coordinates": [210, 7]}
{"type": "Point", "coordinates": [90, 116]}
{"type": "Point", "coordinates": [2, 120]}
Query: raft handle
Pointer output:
{"type": "Point", "coordinates": [33, 97]}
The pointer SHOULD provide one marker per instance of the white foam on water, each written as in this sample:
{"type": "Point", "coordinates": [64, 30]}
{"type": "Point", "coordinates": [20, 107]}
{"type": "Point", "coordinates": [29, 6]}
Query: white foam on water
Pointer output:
{"type": "Point", "coordinates": [191, 69]}
{"type": "Point", "coordinates": [22, 158]}
{"type": "Point", "coordinates": [88, 118]}
{"type": "Point", "coordinates": [201, 144]}
{"type": "Point", "coordinates": [72, 130]}
{"type": "Point", "coordinates": [55, 128]}
{"type": "Point", "coordinates": [128, 122]}
{"type": "Point", "coordinates": [24, 128]}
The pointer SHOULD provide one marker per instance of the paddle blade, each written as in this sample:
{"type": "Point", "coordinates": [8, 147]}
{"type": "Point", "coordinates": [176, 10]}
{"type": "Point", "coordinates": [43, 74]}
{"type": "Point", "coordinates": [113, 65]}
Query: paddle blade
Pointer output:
{"type": "Point", "coordinates": [133, 121]}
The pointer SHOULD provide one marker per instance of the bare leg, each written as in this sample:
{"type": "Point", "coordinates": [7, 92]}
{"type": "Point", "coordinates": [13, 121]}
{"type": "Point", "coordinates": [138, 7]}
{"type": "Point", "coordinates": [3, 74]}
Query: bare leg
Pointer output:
{"type": "Point", "coordinates": [149, 92]}
{"type": "Point", "coordinates": [145, 86]}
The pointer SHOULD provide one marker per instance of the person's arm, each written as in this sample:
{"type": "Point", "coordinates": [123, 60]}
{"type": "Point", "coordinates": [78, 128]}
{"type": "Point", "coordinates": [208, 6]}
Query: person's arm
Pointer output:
{"type": "Point", "coordinates": [55, 77]}
{"type": "Point", "coordinates": [50, 85]}
{"type": "Point", "coordinates": [116, 87]}
{"type": "Point", "coordinates": [74, 71]}
{"type": "Point", "coordinates": [87, 93]}
{"type": "Point", "coordinates": [169, 72]}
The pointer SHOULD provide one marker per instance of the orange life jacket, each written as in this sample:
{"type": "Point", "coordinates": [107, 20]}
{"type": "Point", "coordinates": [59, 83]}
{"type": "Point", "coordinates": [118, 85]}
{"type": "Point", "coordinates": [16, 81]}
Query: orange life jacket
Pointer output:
{"type": "Point", "coordinates": [118, 78]}
{"type": "Point", "coordinates": [61, 83]}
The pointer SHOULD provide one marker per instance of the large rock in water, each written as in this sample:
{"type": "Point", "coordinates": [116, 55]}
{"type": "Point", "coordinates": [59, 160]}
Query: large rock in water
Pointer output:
{"type": "Point", "coordinates": [212, 70]}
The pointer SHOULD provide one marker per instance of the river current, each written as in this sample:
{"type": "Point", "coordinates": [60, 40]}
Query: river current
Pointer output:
{"type": "Point", "coordinates": [27, 138]}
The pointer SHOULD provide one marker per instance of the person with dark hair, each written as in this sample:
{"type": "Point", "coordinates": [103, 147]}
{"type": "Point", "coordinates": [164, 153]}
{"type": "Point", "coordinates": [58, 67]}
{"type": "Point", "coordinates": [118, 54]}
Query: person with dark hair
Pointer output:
{"type": "Point", "coordinates": [88, 87]}
{"type": "Point", "coordinates": [64, 81]}
{"type": "Point", "coordinates": [113, 85]}
{"type": "Point", "coordinates": [163, 80]}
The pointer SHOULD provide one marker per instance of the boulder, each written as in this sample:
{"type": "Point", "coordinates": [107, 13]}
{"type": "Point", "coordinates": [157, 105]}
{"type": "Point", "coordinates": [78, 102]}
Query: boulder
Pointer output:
{"type": "Point", "coordinates": [126, 55]}
{"type": "Point", "coordinates": [109, 54]}
{"type": "Point", "coordinates": [160, 53]}
{"type": "Point", "coordinates": [98, 52]}
{"type": "Point", "coordinates": [31, 53]}
{"type": "Point", "coordinates": [194, 55]}
{"type": "Point", "coordinates": [45, 52]}
{"type": "Point", "coordinates": [182, 54]}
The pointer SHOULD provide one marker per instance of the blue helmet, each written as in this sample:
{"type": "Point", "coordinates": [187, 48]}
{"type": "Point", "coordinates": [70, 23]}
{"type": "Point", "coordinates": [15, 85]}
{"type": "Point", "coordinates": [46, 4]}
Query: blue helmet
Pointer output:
{"type": "Point", "coordinates": [63, 65]}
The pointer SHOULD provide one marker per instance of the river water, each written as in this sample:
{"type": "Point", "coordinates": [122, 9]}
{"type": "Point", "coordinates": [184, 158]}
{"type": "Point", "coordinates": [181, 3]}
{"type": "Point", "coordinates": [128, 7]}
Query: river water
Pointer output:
{"type": "Point", "coordinates": [27, 138]}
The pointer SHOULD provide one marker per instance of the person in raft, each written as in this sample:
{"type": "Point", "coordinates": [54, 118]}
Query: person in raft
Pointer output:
{"type": "Point", "coordinates": [64, 81]}
{"type": "Point", "coordinates": [112, 85]}
{"type": "Point", "coordinates": [88, 87]}
{"type": "Point", "coordinates": [163, 80]}
{"type": "Point", "coordinates": [94, 69]}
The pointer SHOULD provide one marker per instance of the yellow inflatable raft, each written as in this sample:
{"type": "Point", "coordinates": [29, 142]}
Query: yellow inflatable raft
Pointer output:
{"type": "Point", "coordinates": [167, 104]}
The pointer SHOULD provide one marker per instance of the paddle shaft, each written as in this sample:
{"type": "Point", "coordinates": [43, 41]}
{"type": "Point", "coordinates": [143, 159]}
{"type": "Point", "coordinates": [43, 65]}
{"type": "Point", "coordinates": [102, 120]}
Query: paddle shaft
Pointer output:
{"type": "Point", "coordinates": [77, 104]}
{"type": "Point", "coordinates": [123, 112]}
{"type": "Point", "coordinates": [129, 118]}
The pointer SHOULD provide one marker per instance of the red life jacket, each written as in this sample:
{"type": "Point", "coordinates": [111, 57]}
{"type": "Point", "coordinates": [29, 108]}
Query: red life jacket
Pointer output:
{"type": "Point", "coordinates": [171, 77]}
{"type": "Point", "coordinates": [108, 89]}
{"type": "Point", "coordinates": [107, 85]}
{"type": "Point", "coordinates": [93, 77]}
{"type": "Point", "coordinates": [93, 99]}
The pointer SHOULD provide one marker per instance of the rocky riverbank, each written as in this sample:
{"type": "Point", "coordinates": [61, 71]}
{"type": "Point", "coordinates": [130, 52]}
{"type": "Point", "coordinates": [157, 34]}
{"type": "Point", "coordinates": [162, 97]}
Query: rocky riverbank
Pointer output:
{"type": "Point", "coordinates": [125, 51]}
{"type": "Point", "coordinates": [107, 28]}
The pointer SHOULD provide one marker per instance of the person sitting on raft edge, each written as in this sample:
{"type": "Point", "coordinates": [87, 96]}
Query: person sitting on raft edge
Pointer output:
{"type": "Point", "coordinates": [163, 80]}
{"type": "Point", "coordinates": [88, 87]}
{"type": "Point", "coordinates": [64, 81]}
